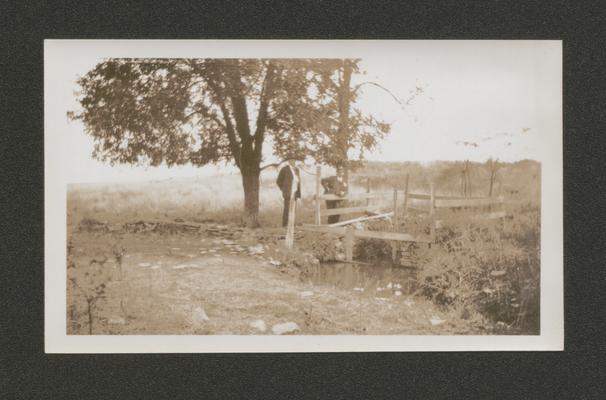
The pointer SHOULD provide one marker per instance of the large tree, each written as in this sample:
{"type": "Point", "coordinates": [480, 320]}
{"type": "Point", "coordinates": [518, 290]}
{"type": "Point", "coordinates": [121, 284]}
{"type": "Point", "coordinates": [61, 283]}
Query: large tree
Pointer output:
{"type": "Point", "coordinates": [198, 111]}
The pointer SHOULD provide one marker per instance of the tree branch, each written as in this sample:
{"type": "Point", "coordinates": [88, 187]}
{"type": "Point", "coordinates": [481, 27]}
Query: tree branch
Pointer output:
{"type": "Point", "coordinates": [234, 145]}
{"type": "Point", "coordinates": [266, 94]}
{"type": "Point", "coordinates": [208, 114]}
{"type": "Point", "coordinates": [238, 103]}
{"type": "Point", "coordinates": [380, 87]}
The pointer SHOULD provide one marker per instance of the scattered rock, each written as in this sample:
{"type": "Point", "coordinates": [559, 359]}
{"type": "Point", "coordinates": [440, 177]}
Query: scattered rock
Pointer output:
{"type": "Point", "coordinates": [144, 264]}
{"type": "Point", "coordinates": [258, 249]}
{"type": "Point", "coordinates": [199, 316]}
{"type": "Point", "coordinates": [258, 325]}
{"type": "Point", "coordinates": [181, 266]}
{"type": "Point", "coordinates": [358, 289]}
{"type": "Point", "coordinates": [436, 320]}
{"type": "Point", "coordinates": [307, 293]}
{"type": "Point", "coordinates": [287, 327]}
{"type": "Point", "coordinates": [398, 293]}
{"type": "Point", "coordinates": [92, 225]}
{"type": "Point", "coordinates": [409, 303]}
{"type": "Point", "coordinates": [498, 273]}
{"type": "Point", "coordinates": [117, 321]}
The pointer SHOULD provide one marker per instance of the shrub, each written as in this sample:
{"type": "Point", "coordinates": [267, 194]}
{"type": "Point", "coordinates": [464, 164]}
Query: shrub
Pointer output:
{"type": "Point", "coordinates": [487, 268]}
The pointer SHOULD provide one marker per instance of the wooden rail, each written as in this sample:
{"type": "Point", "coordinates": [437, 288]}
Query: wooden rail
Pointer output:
{"type": "Point", "coordinates": [456, 203]}
{"type": "Point", "coordinates": [348, 210]}
{"type": "Point", "coordinates": [378, 195]}
{"type": "Point", "coordinates": [361, 233]}
{"type": "Point", "coordinates": [360, 219]}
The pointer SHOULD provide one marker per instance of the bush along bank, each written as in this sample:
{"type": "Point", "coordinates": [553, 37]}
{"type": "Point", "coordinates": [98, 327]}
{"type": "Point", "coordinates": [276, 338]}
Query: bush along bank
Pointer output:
{"type": "Point", "coordinates": [489, 268]}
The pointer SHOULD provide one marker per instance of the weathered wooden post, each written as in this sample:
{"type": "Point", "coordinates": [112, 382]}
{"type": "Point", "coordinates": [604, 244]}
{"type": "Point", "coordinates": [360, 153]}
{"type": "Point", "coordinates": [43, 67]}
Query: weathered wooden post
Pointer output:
{"type": "Point", "coordinates": [395, 210]}
{"type": "Point", "coordinates": [318, 217]}
{"type": "Point", "coordinates": [348, 243]}
{"type": "Point", "coordinates": [432, 210]}
{"type": "Point", "coordinates": [290, 227]}
{"type": "Point", "coordinates": [405, 196]}
{"type": "Point", "coordinates": [394, 225]}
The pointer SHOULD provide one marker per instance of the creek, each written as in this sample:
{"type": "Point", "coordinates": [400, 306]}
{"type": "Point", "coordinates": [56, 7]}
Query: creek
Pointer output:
{"type": "Point", "coordinates": [378, 279]}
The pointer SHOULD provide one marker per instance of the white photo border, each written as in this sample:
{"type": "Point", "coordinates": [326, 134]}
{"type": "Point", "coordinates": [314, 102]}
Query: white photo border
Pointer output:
{"type": "Point", "coordinates": [57, 52]}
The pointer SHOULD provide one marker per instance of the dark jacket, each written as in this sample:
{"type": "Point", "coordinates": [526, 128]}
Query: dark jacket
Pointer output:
{"type": "Point", "coordinates": [284, 181]}
{"type": "Point", "coordinates": [331, 186]}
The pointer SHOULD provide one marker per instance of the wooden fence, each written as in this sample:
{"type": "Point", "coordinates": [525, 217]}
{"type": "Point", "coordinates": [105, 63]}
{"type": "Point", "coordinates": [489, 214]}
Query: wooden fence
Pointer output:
{"type": "Point", "coordinates": [402, 202]}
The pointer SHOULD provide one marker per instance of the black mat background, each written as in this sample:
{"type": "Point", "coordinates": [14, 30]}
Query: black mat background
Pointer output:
{"type": "Point", "coordinates": [26, 372]}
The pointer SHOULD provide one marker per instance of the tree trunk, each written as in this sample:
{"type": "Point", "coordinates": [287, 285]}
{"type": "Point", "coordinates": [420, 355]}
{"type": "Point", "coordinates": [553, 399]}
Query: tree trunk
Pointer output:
{"type": "Point", "coordinates": [344, 99]}
{"type": "Point", "coordinates": [250, 182]}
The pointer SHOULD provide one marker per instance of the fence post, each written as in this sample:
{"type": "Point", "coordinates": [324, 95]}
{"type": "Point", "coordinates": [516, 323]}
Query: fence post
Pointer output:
{"type": "Point", "coordinates": [432, 210]}
{"type": "Point", "coordinates": [318, 217]}
{"type": "Point", "coordinates": [367, 191]}
{"type": "Point", "coordinates": [290, 229]}
{"type": "Point", "coordinates": [395, 209]}
{"type": "Point", "coordinates": [349, 243]}
{"type": "Point", "coordinates": [394, 244]}
{"type": "Point", "coordinates": [405, 195]}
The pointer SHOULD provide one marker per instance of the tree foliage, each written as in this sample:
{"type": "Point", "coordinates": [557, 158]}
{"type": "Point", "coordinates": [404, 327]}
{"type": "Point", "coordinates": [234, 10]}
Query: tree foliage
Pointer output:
{"type": "Point", "coordinates": [333, 132]}
{"type": "Point", "coordinates": [178, 111]}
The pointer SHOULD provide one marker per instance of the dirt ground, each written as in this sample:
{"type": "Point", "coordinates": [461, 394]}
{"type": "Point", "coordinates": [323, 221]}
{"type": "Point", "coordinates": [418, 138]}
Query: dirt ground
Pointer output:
{"type": "Point", "coordinates": [222, 281]}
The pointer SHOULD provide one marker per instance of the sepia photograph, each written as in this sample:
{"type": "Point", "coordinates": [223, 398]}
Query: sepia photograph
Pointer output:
{"type": "Point", "coordinates": [240, 196]}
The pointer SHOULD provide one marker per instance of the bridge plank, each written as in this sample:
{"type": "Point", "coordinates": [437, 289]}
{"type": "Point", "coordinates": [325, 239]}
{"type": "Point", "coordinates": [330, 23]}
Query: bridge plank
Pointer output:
{"type": "Point", "coordinates": [341, 231]}
{"type": "Point", "coordinates": [347, 210]}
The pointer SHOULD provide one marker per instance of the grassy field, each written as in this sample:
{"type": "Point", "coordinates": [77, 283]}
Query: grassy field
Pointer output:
{"type": "Point", "coordinates": [162, 280]}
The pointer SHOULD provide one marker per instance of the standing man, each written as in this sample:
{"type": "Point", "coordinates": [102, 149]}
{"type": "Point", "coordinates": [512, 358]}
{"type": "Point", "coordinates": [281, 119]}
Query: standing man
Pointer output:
{"type": "Point", "coordinates": [288, 173]}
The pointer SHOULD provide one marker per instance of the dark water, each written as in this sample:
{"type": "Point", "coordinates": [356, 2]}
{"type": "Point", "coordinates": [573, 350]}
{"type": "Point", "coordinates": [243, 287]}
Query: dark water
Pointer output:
{"type": "Point", "coordinates": [382, 279]}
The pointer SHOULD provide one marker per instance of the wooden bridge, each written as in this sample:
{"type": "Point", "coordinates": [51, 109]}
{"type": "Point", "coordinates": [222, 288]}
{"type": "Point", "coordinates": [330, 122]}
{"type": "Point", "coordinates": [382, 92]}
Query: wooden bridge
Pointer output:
{"type": "Point", "coordinates": [402, 202]}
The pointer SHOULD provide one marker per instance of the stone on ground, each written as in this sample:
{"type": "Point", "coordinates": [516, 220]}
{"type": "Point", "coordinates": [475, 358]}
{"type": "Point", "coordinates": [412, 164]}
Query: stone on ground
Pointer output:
{"type": "Point", "coordinates": [199, 316]}
{"type": "Point", "coordinates": [287, 327]}
{"type": "Point", "coordinates": [259, 325]}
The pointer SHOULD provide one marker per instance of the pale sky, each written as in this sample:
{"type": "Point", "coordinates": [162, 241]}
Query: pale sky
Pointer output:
{"type": "Point", "coordinates": [503, 96]}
